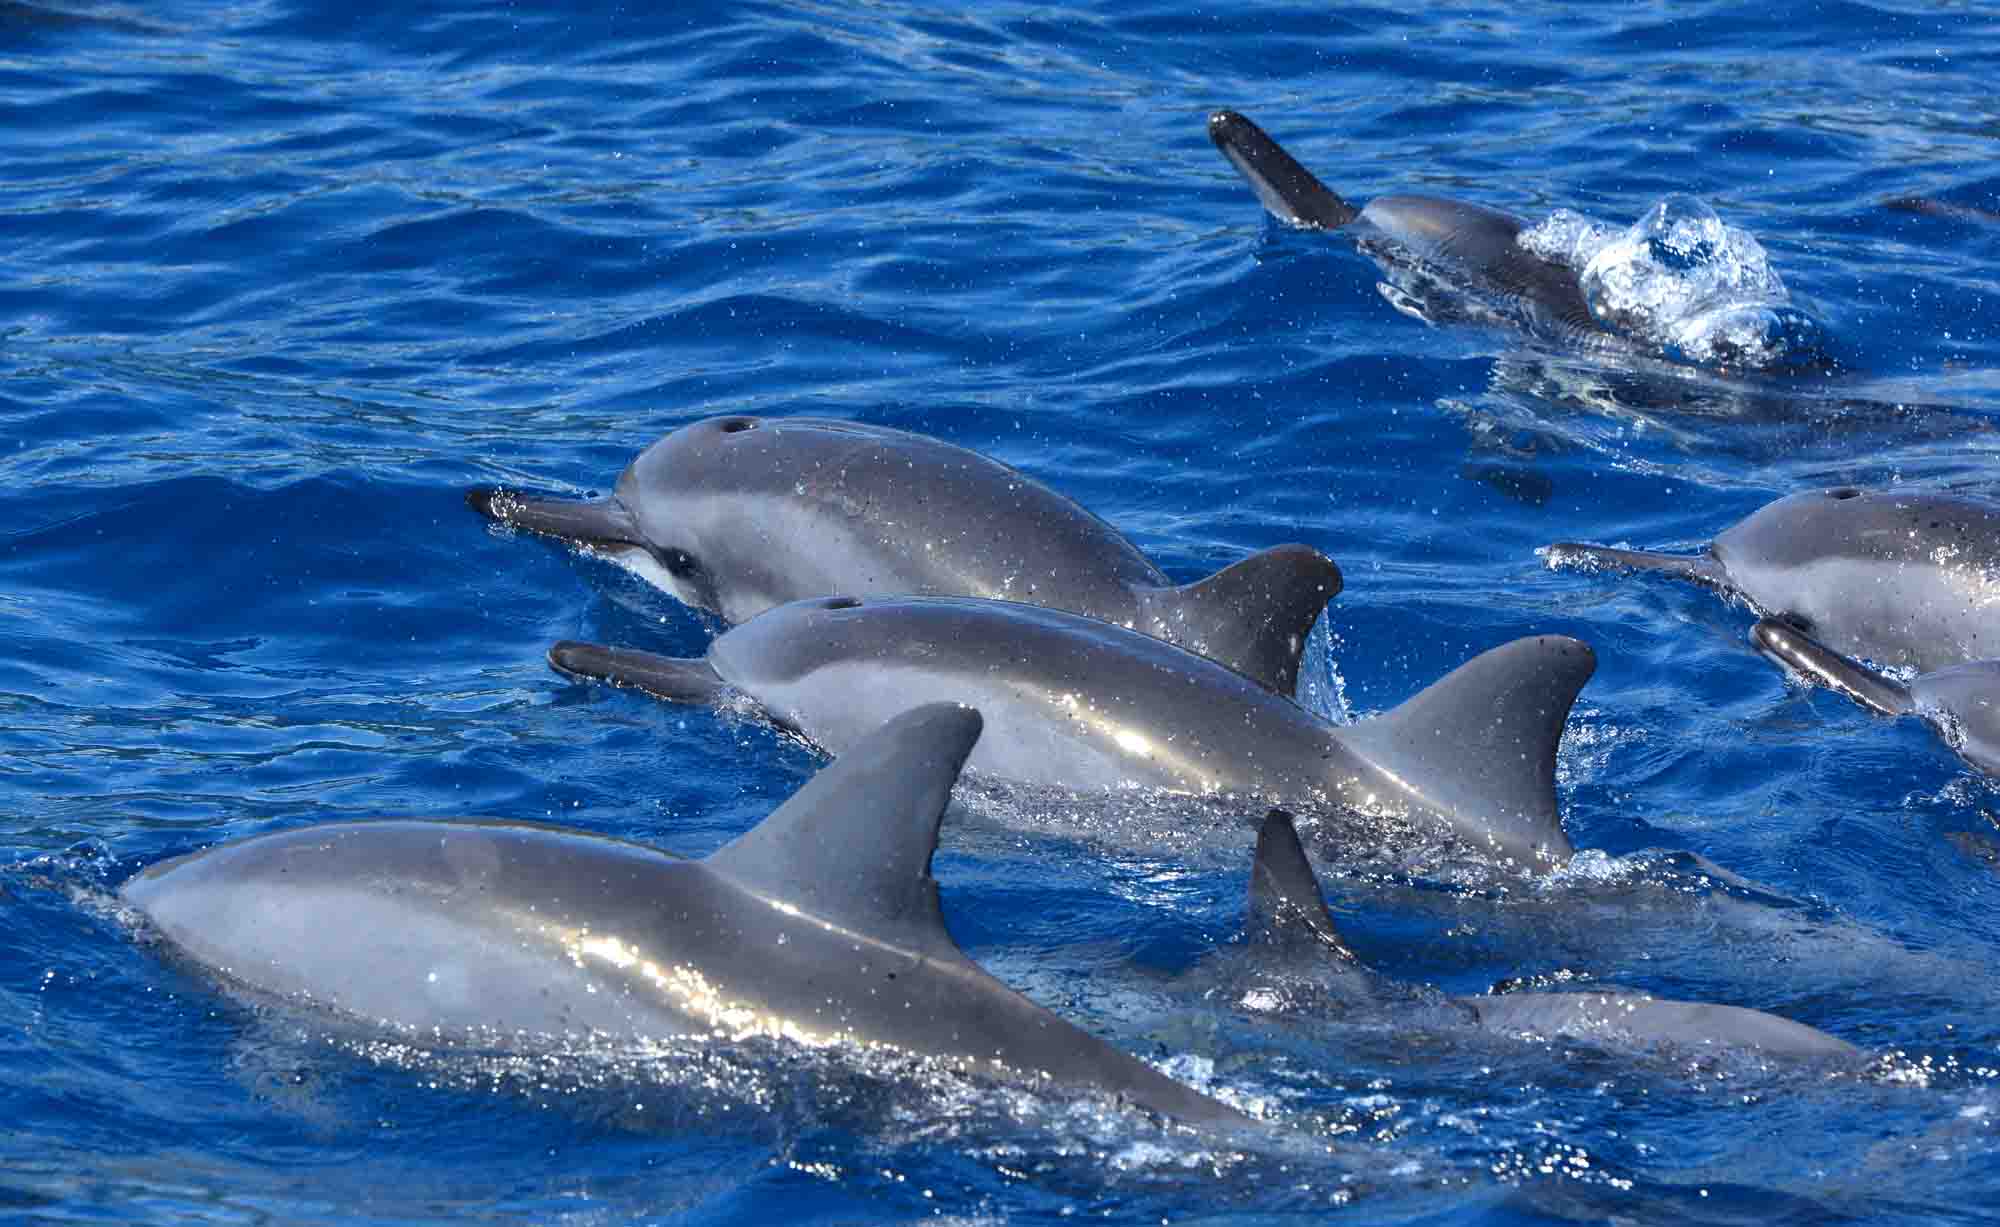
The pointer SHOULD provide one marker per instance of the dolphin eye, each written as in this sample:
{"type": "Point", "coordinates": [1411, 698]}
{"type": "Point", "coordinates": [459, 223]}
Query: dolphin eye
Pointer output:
{"type": "Point", "coordinates": [679, 563]}
{"type": "Point", "coordinates": [736, 426]}
{"type": "Point", "coordinates": [841, 602]}
{"type": "Point", "coordinates": [1844, 493]}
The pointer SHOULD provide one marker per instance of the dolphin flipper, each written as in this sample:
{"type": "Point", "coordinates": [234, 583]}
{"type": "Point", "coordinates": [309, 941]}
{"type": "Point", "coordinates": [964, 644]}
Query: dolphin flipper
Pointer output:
{"type": "Point", "coordinates": [1286, 905]}
{"type": "Point", "coordinates": [1485, 736]}
{"type": "Point", "coordinates": [1701, 569]}
{"type": "Point", "coordinates": [673, 678]}
{"type": "Point", "coordinates": [1815, 662]}
{"type": "Point", "coordinates": [1253, 615]}
{"type": "Point", "coordinates": [1287, 189]}
{"type": "Point", "coordinates": [853, 847]}
{"type": "Point", "coordinates": [603, 521]}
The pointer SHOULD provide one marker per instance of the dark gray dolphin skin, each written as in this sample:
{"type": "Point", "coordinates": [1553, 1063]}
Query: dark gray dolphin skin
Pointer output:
{"type": "Point", "coordinates": [1077, 703]}
{"type": "Point", "coordinates": [737, 514]}
{"type": "Point", "coordinates": [1897, 578]}
{"type": "Point", "coordinates": [1961, 702]}
{"type": "Point", "coordinates": [1288, 910]}
{"type": "Point", "coordinates": [1475, 244]}
{"type": "Point", "coordinates": [819, 924]}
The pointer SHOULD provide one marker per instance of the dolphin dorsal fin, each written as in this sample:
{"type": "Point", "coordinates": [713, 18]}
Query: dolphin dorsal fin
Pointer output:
{"type": "Point", "coordinates": [1253, 615]}
{"type": "Point", "coordinates": [1288, 190]}
{"type": "Point", "coordinates": [853, 847]}
{"type": "Point", "coordinates": [1285, 901]}
{"type": "Point", "coordinates": [1479, 745]}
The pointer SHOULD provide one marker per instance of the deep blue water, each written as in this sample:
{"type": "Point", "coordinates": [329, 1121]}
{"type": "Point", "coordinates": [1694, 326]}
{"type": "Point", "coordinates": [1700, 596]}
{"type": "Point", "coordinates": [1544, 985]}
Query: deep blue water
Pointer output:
{"type": "Point", "coordinates": [278, 281]}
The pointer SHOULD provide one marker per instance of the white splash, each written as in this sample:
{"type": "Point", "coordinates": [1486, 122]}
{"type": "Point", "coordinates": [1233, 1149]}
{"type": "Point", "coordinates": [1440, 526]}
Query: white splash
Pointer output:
{"type": "Point", "coordinates": [1684, 281]}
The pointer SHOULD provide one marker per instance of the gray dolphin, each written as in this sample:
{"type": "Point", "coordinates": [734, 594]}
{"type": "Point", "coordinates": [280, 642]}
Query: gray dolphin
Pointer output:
{"type": "Point", "coordinates": [1898, 578]}
{"type": "Point", "coordinates": [1287, 910]}
{"type": "Point", "coordinates": [737, 514]}
{"type": "Point", "coordinates": [819, 924]}
{"type": "Point", "coordinates": [1077, 703]}
{"type": "Point", "coordinates": [1473, 244]}
{"type": "Point", "coordinates": [1961, 702]}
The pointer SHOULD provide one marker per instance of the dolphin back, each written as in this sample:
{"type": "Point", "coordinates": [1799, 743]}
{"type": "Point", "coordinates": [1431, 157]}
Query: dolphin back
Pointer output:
{"type": "Point", "coordinates": [1657, 1020]}
{"type": "Point", "coordinates": [1479, 745]}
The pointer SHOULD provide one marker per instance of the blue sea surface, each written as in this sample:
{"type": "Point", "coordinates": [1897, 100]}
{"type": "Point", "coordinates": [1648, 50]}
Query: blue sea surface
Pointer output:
{"type": "Point", "coordinates": [280, 280]}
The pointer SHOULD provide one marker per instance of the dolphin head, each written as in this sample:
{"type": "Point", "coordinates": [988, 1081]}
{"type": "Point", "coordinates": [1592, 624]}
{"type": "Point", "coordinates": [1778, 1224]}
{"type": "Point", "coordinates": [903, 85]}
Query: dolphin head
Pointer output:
{"type": "Point", "coordinates": [666, 519]}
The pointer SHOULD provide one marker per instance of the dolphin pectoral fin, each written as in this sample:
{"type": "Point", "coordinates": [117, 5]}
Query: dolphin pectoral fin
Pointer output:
{"type": "Point", "coordinates": [1701, 569]}
{"type": "Point", "coordinates": [600, 522]}
{"type": "Point", "coordinates": [1479, 745]}
{"type": "Point", "coordinates": [854, 846]}
{"type": "Point", "coordinates": [673, 678]}
{"type": "Point", "coordinates": [1287, 189]}
{"type": "Point", "coordinates": [1821, 665]}
{"type": "Point", "coordinates": [1253, 615]}
{"type": "Point", "coordinates": [1285, 900]}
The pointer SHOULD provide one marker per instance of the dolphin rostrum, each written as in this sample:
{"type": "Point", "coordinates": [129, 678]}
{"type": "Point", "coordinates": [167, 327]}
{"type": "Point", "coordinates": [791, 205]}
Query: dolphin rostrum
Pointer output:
{"type": "Point", "coordinates": [1903, 579]}
{"type": "Point", "coordinates": [1469, 242]}
{"type": "Point", "coordinates": [737, 514]}
{"type": "Point", "coordinates": [1961, 702]}
{"type": "Point", "coordinates": [1077, 703]}
{"type": "Point", "coordinates": [1288, 911]}
{"type": "Point", "coordinates": [821, 924]}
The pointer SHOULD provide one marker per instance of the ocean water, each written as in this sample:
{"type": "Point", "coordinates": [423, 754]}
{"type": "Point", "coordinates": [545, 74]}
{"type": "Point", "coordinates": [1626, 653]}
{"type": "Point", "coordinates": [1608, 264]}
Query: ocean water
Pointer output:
{"type": "Point", "coordinates": [278, 281]}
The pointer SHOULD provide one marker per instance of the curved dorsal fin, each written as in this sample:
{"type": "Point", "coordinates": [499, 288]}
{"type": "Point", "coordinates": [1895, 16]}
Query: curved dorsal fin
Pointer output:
{"type": "Point", "coordinates": [1286, 905]}
{"type": "Point", "coordinates": [1479, 745]}
{"type": "Point", "coordinates": [1253, 615]}
{"type": "Point", "coordinates": [853, 847]}
{"type": "Point", "coordinates": [1288, 190]}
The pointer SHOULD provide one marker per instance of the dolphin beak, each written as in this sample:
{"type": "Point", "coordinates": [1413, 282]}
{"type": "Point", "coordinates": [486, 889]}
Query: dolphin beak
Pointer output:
{"type": "Point", "coordinates": [595, 522]}
{"type": "Point", "coordinates": [674, 678]}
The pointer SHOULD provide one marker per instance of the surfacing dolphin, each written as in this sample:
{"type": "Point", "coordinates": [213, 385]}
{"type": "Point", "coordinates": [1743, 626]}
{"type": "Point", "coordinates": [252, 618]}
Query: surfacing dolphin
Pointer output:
{"type": "Point", "coordinates": [737, 514]}
{"type": "Point", "coordinates": [1960, 702]}
{"type": "Point", "coordinates": [1076, 703]}
{"type": "Point", "coordinates": [1288, 911]}
{"type": "Point", "coordinates": [1470, 244]}
{"type": "Point", "coordinates": [1898, 578]}
{"type": "Point", "coordinates": [821, 925]}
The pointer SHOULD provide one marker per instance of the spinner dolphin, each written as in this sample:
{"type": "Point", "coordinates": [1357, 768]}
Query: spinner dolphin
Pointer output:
{"type": "Point", "coordinates": [1077, 703]}
{"type": "Point", "coordinates": [1899, 578]}
{"type": "Point", "coordinates": [1287, 910]}
{"type": "Point", "coordinates": [1467, 243]}
{"type": "Point", "coordinates": [820, 924]}
{"type": "Point", "coordinates": [738, 514]}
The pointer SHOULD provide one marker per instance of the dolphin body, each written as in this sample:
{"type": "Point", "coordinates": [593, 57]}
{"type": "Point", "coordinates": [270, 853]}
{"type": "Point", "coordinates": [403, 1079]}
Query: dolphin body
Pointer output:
{"type": "Point", "coordinates": [1902, 579]}
{"type": "Point", "coordinates": [737, 514]}
{"type": "Point", "coordinates": [1960, 702]}
{"type": "Point", "coordinates": [820, 924]}
{"type": "Point", "coordinates": [1082, 704]}
{"type": "Point", "coordinates": [1287, 912]}
{"type": "Point", "coordinates": [1420, 240]}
